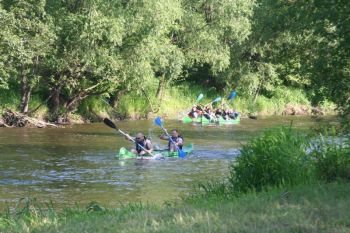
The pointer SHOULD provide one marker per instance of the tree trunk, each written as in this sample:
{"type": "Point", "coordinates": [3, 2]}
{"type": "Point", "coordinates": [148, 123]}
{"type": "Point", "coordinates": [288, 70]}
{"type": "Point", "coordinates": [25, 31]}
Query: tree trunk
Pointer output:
{"type": "Point", "coordinates": [161, 86]}
{"type": "Point", "coordinates": [115, 98]}
{"type": "Point", "coordinates": [26, 92]}
{"type": "Point", "coordinates": [55, 100]}
{"type": "Point", "coordinates": [72, 104]}
{"type": "Point", "coordinates": [257, 92]}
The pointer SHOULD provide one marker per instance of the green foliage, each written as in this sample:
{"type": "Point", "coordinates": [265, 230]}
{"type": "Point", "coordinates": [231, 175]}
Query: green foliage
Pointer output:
{"type": "Point", "coordinates": [308, 208]}
{"type": "Point", "coordinates": [332, 156]}
{"type": "Point", "coordinates": [8, 99]}
{"type": "Point", "coordinates": [72, 50]}
{"type": "Point", "coordinates": [276, 158]}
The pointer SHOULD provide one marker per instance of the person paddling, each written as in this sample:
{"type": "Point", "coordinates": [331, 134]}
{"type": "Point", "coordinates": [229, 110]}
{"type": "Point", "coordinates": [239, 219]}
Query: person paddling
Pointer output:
{"type": "Point", "coordinates": [218, 112]}
{"type": "Point", "coordinates": [208, 113]}
{"type": "Point", "coordinates": [141, 141]}
{"type": "Point", "coordinates": [176, 137]}
{"type": "Point", "coordinates": [195, 112]}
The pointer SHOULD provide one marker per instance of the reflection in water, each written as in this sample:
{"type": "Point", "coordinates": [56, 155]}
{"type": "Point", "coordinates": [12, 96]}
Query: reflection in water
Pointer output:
{"type": "Point", "coordinates": [77, 164]}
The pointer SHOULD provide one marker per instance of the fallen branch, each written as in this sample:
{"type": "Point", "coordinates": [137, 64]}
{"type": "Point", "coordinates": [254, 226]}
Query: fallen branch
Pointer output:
{"type": "Point", "coordinates": [2, 124]}
{"type": "Point", "coordinates": [14, 119]}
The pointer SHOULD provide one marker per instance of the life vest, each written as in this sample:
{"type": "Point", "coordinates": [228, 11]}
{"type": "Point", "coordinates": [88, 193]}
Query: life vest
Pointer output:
{"type": "Point", "coordinates": [175, 140]}
{"type": "Point", "coordinates": [139, 144]}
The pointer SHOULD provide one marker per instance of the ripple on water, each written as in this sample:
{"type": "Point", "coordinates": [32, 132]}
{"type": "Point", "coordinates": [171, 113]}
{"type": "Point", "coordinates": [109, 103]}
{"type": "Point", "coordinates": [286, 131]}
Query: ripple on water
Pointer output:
{"type": "Point", "coordinates": [77, 164]}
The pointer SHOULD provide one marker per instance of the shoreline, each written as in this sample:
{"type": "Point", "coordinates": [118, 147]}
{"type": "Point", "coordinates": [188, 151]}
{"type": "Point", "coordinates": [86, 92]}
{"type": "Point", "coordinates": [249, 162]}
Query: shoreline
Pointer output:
{"type": "Point", "coordinates": [42, 122]}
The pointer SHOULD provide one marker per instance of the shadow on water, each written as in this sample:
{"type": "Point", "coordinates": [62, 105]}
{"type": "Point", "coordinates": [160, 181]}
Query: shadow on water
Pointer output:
{"type": "Point", "coordinates": [77, 163]}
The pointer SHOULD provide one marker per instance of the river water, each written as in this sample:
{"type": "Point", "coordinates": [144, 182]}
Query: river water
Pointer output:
{"type": "Point", "coordinates": [77, 164]}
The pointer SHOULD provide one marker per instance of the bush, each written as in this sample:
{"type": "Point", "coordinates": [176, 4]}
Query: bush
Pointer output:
{"type": "Point", "coordinates": [332, 159]}
{"type": "Point", "coordinates": [275, 158]}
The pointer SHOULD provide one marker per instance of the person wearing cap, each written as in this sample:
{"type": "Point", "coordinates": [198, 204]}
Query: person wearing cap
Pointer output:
{"type": "Point", "coordinates": [141, 141]}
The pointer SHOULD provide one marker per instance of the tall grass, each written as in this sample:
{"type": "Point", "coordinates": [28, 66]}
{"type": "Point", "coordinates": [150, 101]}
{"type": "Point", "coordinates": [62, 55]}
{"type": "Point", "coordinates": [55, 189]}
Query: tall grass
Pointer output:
{"type": "Point", "coordinates": [282, 157]}
{"type": "Point", "coordinates": [8, 99]}
{"type": "Point", "coordinates": [176, 101]}
{"type": "Point", "coordinates": [304, 208]}
{"type": "Point", "coordinates": [276, 158]}
{"type": "Point", "coordinates": [332, 157]}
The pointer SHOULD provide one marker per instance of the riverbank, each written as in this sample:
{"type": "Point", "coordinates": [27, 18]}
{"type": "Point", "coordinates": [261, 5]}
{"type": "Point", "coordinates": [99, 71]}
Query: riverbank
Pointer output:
{"type": "Point", "coordinates": [304, 208]}
{"type": "Point", "coordinates": [175, 103]}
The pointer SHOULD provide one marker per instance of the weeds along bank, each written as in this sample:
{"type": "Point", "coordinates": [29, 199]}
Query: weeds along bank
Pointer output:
{"type": "Point", "coordinates": [303, 208]}
{"type": "Point", "coordinates": [174, 102]}
{"type": "Point", "coordinates": [278, 184]}
{"type": "Point", "coordinates": [284, 157]}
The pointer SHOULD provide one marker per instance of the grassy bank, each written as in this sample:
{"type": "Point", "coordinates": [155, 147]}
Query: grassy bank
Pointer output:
{"type": "Point", "coordinates": [304, 208]}
{"type": "Point", "coordinates": [176, 101]}
{"type": "Point", "coordinates": [10, 99]}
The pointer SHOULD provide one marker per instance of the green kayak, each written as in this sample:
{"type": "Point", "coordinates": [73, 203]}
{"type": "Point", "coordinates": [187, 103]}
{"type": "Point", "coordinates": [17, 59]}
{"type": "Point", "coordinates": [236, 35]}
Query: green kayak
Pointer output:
{"type": "Point", "coordinates": [203, 120]}
{"type": "Point", "coordinates": [159, 154]}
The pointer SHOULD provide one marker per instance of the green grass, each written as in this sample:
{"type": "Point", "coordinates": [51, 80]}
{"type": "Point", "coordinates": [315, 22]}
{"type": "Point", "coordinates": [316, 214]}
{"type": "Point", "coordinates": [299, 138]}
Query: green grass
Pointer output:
{"type": "Point", "coordinates": [316, 208]}
{"type": "Point", "coordinates": [8, 99]}
{"type": "Point", "coordinates": [277, 157]}
{"type": "Point", "coordinates": [283, 157]}
{"type": "Point", "coordinates": [177, 100]}
{"type": "Point", "coordinates": [11, 100]}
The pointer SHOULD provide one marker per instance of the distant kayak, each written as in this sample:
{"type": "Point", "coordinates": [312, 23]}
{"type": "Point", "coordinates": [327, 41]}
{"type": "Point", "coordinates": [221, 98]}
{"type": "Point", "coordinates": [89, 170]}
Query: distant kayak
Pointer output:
{"type": "Point", "coordinates": [159, 154]}
{"type": "Point", "coordinates": [203, 120]}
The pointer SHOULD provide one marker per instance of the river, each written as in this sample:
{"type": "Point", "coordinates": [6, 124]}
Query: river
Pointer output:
{"type": "Point", "coordinates": [77, 164]}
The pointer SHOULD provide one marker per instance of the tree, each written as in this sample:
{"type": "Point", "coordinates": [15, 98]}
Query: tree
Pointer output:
{"type": "Point", "coordinates": [8, 41]}
{"type": "Point", "coordinates": [85, 61]}
{"type": "Point", "coordinates": [31, 40]}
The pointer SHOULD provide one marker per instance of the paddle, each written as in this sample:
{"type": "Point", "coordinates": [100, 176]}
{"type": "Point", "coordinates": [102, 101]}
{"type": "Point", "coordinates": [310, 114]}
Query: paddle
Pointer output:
{"type": "Point", "coordinates": [217, 99]}
{"type": "Point", "coordinates": [109, 123]}
{"type": "Point", "coordinates": [158, 122]}
{"type": "Point", "coordinates": [232, 95]}
{"type": "Point", "coordinates": [199, 98]}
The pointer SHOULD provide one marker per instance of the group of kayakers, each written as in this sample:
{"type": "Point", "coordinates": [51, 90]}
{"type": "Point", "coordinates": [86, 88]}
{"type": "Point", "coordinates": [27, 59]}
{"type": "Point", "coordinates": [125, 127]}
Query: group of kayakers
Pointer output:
{"type": "Point", "coordinates": [211, 114]}
{"type": "Point", "coordinates": [144, 145]}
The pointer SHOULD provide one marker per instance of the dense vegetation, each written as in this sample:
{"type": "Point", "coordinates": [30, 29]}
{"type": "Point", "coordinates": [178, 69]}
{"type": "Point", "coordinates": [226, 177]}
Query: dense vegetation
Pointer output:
{"type": "Point", "coordinates": [282, 182]}
{"type": "Point", "coordinates": [70, 53]}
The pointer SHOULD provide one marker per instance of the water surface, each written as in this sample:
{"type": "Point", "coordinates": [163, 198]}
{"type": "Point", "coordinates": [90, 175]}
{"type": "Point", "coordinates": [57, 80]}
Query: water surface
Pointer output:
{"type": "Point", "coordinates": [77, 164]}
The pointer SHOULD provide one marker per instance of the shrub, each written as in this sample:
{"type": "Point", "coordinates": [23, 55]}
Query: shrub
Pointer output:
{"type": "Point", "coordinates": [332, 158]}
{"type": "Point", "coordinates": [275, 158]}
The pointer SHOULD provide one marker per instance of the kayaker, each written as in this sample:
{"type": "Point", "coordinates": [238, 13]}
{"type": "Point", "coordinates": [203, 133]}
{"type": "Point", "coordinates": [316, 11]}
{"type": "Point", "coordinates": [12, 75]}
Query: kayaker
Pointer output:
{"type": "Point", "coordinates": [208, 113]}
{"type": "Point", "coordinates": [226, 114]}
{"type": "Point", "coordinates": [235, 114]}
{"type": "Point", "coordinates": [218, 112]}
{"type": "Point", "coordinates": [141, 141]}
{"type": "Point", "coordinates": [229, 113]}
{"type": "Point", "coordinates": [176, 137]}
{"type": "Point", "coordinates": [195, 112]}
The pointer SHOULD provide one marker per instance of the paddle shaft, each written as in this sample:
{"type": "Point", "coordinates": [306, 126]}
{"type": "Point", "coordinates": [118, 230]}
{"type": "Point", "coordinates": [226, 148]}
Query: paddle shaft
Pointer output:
{"type": "Point", "coordinates": [126, 135]}
{"type": "Point", "coordinates": [167, 134]}
{"type": "Point", "coordinates": [109, 123]}
{"type": "Point", "coordinates": [214, 101]}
